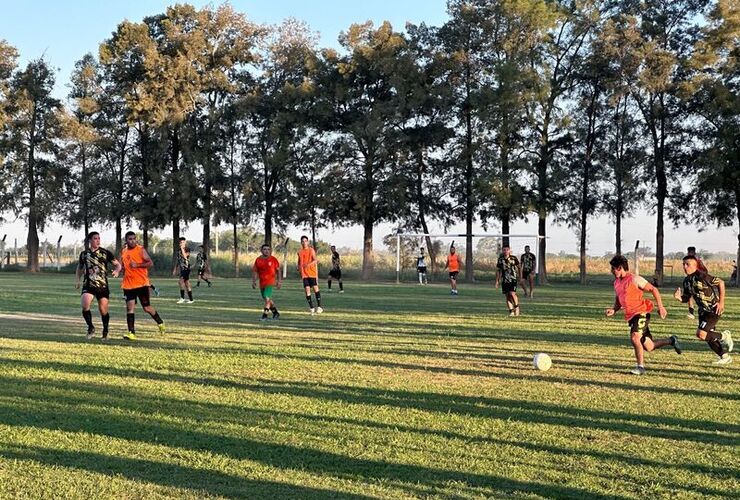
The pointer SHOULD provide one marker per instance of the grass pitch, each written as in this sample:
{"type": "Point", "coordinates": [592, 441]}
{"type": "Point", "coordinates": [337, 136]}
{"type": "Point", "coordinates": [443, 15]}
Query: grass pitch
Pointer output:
{"type": "Point", "coordinates": [394, 392]}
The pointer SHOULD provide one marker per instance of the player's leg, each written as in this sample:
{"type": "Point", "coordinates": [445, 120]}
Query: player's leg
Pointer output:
{"type": "Point", "coordinates": [104, 315]}
{"type": "Point", "coordinates": [265, 292]}
{"type": "Point", "coordinates": [339, 278]}
{"type": "Point", "coordinates": [188, 288]}
{"type": "Point", "coordinates": [531, 284]}
{"type": "Point", "coordinates": [130, 315]}
{"type": "Point", "coordinates": [149, 309]}
{"type": "Point", "coordinates": [85, 302]}
{"type": "Point", "coordinates": [309, 298]}
{"type": "Point", "coordinates": [316, 292]}
{"type": "Point", "coordinates": [515, 302]}
{"type": "Point", "coordinates": [181, 282]}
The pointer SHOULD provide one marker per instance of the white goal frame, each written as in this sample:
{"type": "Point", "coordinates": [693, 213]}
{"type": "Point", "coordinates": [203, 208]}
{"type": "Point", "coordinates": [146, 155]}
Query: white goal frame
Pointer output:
{"type": "Point", "coordinates": [463, 236]}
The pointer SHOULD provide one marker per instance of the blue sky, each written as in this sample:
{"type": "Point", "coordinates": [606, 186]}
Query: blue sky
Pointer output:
{"type": "Point", "coordinates": [64, 30]}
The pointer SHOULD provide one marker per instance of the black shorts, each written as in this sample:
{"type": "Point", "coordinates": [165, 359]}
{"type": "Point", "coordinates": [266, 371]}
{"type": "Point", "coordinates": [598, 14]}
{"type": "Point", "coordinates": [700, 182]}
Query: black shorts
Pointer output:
{"type": "Point", "coordinates": [525, 274]}
{"type": "Point", "coordinates": [421, 270]}
{"type": "Point", "coordinates": [310, 282]}
{"type": "Point", "coordinates": [707, 321]}
{"type": "Point", "coordinates": [453, 275]}
{"type": "Point", "coordinates": [98, 293]}
{"type": "Point", "coordinates": [508, 286]}
{"type": "Point", "coordinates": [185, 274]}
{"type": "Point", "coordinates": [201, 272]}
{"type": "Point", "coordinates": [141, 293]}
{"type": "Point", "coordinates": [336, 274]}
{"type": "Point", "coordinates": [640, 323]}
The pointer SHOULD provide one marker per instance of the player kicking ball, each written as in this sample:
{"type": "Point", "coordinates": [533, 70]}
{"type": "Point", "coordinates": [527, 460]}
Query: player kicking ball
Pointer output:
{"type": "Point", "coordinates": [93, 266]}
{"type": "Point", "coordinates": [266, 268]}
{"type": "Point", "coordinates": [629, 289]}
{"type": "Point", "coordinates": [708, 293]}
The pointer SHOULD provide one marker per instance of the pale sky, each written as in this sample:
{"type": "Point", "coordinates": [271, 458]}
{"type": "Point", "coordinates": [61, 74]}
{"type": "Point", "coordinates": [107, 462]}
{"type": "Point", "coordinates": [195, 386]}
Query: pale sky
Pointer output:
{"type": "Point", "coordinates": [63, 31]}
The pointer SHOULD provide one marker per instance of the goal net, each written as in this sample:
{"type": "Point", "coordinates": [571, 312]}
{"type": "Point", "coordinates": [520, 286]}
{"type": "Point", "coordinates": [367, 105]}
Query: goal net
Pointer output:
{"type": "Point", "coordinates": [432, 250]}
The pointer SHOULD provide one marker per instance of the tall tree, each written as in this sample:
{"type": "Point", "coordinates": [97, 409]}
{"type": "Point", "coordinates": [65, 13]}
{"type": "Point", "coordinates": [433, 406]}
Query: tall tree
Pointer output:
{"type": "Point", "coordinates": [557, 64]}
{"type": "Point", "coordinates": [659, 35]}
{"type": "Point", "coordinates": [34, 175]}
{"type": "Point", "coordinates": [713, 95]}
{"type": "Point", "coordinates": [360, 108]}
{"type": "Point", "coordinates": [8, 57]}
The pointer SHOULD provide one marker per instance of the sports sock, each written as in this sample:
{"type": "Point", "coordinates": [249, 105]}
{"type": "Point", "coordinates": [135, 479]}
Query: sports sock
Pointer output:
{"type": "Point", "coordinates": [274, 310]}
{"type": "Point", "coordinates": [182, 293]}
{"type": "Point", "coordinates": [341, 285]}
{"type": "Point", "coordinates": [130, 322]}
{"type": "Point", "coordinates": [328, 284]}
{"type": "Point", "coordinates": [207, 281]}
{"type": "Point", "coordinates": [190, 294]}
{"type": "Point", "coordinates": [713, 339]}
{"type": "Point", "coordinates": [106, 322]}
{"type": "Point", "coordinates": [88, 318]}
{"type": "Point", "coordinates": [156, 318]}
{"type": "Point", "coordinates": [197, 283]}
{"type": "Point", "coordinates": [310, 301]}
{"type": "Point", "coordinates": [691, 310]}
{"type": "Point", "coordinates": [318, 299]}
{"type": "Point", "coordinates": [264, 312]}
{"type": "Point", "coordinates": [420, 278]}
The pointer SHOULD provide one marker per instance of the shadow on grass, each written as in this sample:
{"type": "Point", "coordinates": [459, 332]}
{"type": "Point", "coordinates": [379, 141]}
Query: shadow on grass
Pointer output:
{"type": "Point", "coordinates": [168, 474]}
{"type": "Point", "coordinates": [416, 479]}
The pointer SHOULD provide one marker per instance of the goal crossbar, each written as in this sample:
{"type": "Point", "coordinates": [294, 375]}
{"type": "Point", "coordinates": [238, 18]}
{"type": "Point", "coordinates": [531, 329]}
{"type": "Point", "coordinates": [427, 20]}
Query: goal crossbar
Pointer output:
{"type": "Point", "coordinates": [460, 235]}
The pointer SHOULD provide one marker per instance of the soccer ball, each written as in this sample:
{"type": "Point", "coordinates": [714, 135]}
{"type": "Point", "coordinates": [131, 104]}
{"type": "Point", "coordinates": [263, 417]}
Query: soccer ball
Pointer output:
{"type": "Point", "coordinates": [542, 361]}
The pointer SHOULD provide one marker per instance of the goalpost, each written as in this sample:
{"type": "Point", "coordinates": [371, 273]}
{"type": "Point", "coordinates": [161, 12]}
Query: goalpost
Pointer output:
{"type": "Point", "coordinates": [534, 240]}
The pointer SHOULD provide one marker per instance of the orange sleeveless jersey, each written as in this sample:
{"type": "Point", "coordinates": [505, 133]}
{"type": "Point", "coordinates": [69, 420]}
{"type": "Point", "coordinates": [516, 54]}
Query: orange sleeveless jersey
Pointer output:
{"type": "Point", "coordinates": [453, 263]}
{"type": "Point", "coordinates": [306, 255]}
{"type": "Point", "coordinates": [134, 277]}
{"type": "Point", "coordinates": [630, 296]}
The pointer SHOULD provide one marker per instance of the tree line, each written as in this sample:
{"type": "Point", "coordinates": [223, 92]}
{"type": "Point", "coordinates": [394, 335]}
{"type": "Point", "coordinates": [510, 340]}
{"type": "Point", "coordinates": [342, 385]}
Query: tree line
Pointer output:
{"type": "Point", "coordinates": [512, 108]}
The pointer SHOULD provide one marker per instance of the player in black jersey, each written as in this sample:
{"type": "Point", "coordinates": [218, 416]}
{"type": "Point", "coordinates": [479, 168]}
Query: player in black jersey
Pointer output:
{"type": "Point", "coordinates": [336, 269]}
{"type": "Point", "coordinates": [529, 264]}
{"type": "Point", "coordinates": [183, 263]}
{"type": "Point", "coordinates": [93, 268]}
{"type": "Point", "coordinates": [202, 259]}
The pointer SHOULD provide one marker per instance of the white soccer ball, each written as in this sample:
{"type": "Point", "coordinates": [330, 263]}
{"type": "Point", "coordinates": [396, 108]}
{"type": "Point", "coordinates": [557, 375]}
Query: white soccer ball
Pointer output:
{"type": "Point", "coordinates": [542, 361]}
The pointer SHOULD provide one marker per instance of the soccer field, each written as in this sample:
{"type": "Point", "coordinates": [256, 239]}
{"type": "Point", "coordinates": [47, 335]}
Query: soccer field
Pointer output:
{"type": "Point", "coordinates": [394, 392]}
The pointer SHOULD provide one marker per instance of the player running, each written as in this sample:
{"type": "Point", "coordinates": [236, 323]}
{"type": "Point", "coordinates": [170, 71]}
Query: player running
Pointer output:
{"type": "Point", "coordinates": [308, 267]}
{"type": "Point", "coordinates": [691, 251]}
{"type": "Point", "coordinates": [336, 269]}
{"type": "Point", "coordinates": [266, 268]}
{"type": "Point", "coordinates": [529, 264]}
{"type": "Point", "coordinates": [453, 264]}
{"type": "Point", "coordinates": [708, 293]}
{"type": "Point", "coordinates": [202, 260]}
{"type": "Point", "coordinates": [93, 266]}
{"type": "Point", "coordinates": [509, 273]}
{"type": "Point", "coordinates": [421, 267]}
{"type": "Point", "coordinates": [136, 265]}
{"type": "Point", "coordinates": [628, 290]}
{"type": "Point", "coordinates": [183, 264]}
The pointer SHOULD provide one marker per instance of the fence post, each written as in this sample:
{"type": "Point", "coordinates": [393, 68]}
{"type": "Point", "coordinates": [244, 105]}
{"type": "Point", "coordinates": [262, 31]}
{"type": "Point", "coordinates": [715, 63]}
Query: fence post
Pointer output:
{"type": "Point", "coordinates": [2, 251]}
{"type": "Point", "coordinates": [59, 253]}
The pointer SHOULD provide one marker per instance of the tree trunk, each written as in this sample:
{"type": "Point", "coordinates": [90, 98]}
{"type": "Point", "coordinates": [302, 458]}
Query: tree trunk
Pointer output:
{"type": "Point", "coordinates": [313, 228]}
{"type": "Point", "coordinates": [542, 261]}
{"type": "Point", "coordinates": [421, 200]}
{"type": "Point", "coordinates": [175, 159]}
{"type": "Point", "coordinates": [32, 240]}
{"type": "Point", "coordinates": [145, 236]}
{"type": "Point", "coordinates": [207, 220]}
{"type": "Point", "coordinates": [119, 235]}
{"type": "Point", "coordinates": [85, 216]}
{"type": "Point", "coordinates": [367, 249]}
{"type": "Point", "coordinates": [469, 202]}
{"type": "Point", "coordinates": [268, 219]}
{"type": "Point", "coordinates": [661, 195]}
{"type": "Point", "coordinates": [236, 248]}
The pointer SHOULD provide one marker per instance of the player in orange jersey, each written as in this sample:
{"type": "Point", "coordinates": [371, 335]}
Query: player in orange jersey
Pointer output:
{"type": "Point", "coordinates": [136, 265]}
{"type": "Point", "coordinates": [453, 264]}
{"type": "Point", "coordinates": [308, 267]}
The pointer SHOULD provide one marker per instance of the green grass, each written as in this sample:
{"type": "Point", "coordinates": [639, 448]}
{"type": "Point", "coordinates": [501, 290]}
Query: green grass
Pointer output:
{"type": "Point", "coordinates": [395, 392]}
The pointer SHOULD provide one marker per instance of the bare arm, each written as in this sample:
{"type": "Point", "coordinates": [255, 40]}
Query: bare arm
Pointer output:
{"type": "Point", "coordinates": [658, 300]}
{"type": "Point", "coordinates": [613, 310]}
{"type": "Point", "coordinates": [254, 277]}
{"type": "Point", "coordinates": [719, 308]}
{"type": "Point", "coordinates": [116, 268]}
{"type": "Point", "coordinates": [147, 262]}
{"type": "Point", "coordinates": [78, 274]}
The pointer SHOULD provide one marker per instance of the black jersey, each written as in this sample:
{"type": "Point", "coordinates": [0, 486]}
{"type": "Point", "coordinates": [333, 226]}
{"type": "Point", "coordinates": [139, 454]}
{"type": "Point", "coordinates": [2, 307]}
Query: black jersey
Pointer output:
{"type": "Point", "coordinates": [202, 260]}
{"type": "Point", "coordinates": [509, 267]}
{"type": "Point", "coordinates": [703, 288]}
{"type": "Point", "coordinates": [183, 260]}
{"type": "Point", "coordinates": [94, 265]}
{"type": "Point", "coordinates": [528, 261]}
{"type": "Point", "coordinates": [336, 264]}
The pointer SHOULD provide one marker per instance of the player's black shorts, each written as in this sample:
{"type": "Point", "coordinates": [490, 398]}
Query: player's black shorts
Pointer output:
{"type": "Point", "coordinates": [98, 293]}
{"type": "Point", "coordinates": [336, 274]}
{"type": "Point", "coordinates": [453, 275]}
{"type": "Point", "coordinates": [201, 272]}
{"type": "Point", "coordinates": [525, 274]}
{"type": "Point", "coordinates": [309, 282]}
{"type": "Point", "coordinates": [508, 286]}
{"type": "Point", "coordinates": [421, 269]}
{"type": "Point", "coordinates": [141, 293]}
{"type": "Point", "coordinates": [707, 321]}
{"type": "Point", "coordinates": [640, 324]}
{"type": "Point", "coordinates": [185, 274]}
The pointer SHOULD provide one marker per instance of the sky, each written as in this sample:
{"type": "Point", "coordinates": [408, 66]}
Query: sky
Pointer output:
{"type": "Point", "coordinates": [63, 31]}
